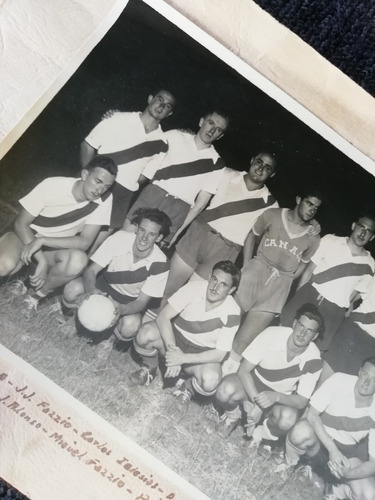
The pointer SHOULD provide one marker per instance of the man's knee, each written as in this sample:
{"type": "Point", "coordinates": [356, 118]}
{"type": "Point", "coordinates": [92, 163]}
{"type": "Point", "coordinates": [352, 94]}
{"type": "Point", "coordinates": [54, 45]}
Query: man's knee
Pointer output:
{"type": "Point", "coordinates": [227, 388]}
{"type": "Point", "coordinates": [76, 262]}
{"type": "Point", "coordinates": [8, 265]}
{"type": "Point", "coordinates": [10, 252]}
{"type": "Point", "coordinates": [210, 379]}
{"type": "Point", "coordinates": [73, 290]}
{"type": "Point", "coordinates": [301, 433]}
{"type": "Point", "coordinates": [128, 326]}
{"type": "Point", "coordinates": [284, 417]}
{"type": "Point", "coordinates": [147, 334]}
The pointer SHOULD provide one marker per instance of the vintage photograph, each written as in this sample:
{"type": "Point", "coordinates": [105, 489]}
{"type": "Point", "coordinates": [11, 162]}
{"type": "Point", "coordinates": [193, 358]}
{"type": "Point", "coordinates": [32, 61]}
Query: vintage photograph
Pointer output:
{"type": "Point", "coordinates": [195, 264]}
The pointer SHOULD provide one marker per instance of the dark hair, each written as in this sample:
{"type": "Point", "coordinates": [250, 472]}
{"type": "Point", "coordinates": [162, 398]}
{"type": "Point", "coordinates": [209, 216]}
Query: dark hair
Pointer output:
{"type": "Point", "coordinates": [228, 267]}
{"type": "Point", "coordinates": [366, 215]}
{"type": "Point", "coordinates": [218, 111]}
{"type": "Point", "coordinates": [154, 215]}
{"type": "Point", "coordinates": [268, 153]}
{"type": "Point", "coordinates": [313, 193]}
{"type": "Point", "coordinates": [102, 161]}
{"type": "Point", "coordinates": [370, 360]}
{"type": "Point", "coordinates": [311, 312]}
{"type": "Point", "coordinates": [164, 89]}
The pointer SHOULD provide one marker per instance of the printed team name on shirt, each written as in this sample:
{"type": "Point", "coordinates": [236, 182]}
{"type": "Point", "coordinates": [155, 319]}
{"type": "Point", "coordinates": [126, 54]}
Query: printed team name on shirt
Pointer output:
{"type": "Point", "coordinates": [285, 245]}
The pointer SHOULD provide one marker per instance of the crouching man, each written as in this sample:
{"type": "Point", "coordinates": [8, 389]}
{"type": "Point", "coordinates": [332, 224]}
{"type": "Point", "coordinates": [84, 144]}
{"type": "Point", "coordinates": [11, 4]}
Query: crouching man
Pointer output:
{"type": "Point", "coordinates": [131, 269]}
{"type": "Point", "coordinates": [194, 331]}
{"type": "Point", "coordinates": [275, 380]}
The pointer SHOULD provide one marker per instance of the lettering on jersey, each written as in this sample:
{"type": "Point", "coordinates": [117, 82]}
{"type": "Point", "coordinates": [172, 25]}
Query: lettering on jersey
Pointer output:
{"type": "Point", "coordinates": [271, 242]}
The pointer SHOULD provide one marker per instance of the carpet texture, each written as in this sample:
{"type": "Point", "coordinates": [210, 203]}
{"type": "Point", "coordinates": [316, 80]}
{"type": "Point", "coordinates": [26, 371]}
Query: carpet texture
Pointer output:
{"type": "Point", "coordinates": [342, 31]}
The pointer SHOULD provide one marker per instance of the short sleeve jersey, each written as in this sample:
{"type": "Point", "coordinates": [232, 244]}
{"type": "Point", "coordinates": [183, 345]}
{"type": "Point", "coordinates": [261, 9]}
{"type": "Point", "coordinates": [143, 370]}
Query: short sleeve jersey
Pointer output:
{"type": "Point", "coordinates": [123, 138]}
{"type": "Point", "coordinates": [341, 419]}
{"type": "Point", "coordinates": [234, 209]}
{"type": "Point", "coordinates": [274, 372]}
{"type": "Point", "coordinates": [364, 315]}
{"type": "Point", "coordinates": [186, 170]}
{"type": "Point", "coordinates": [127, 277]}
{"type": "Point", "coordinates": [58, 214]}
{"type": "Point", "coordinates": [214, 329]}
{"type": "Point", "coordinates": [338, 272]}
{"type": "Point", "coordinates": [281, 246]}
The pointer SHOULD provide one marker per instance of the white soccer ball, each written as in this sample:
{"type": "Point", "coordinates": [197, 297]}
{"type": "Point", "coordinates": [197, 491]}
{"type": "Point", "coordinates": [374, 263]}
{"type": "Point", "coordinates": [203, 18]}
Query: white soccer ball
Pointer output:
{"type": "Point", "coordinates": [96, 313]}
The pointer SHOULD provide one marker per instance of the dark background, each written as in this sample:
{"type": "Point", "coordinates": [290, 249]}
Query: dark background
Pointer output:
{"type": "Point", "coordinates": [144, 52]}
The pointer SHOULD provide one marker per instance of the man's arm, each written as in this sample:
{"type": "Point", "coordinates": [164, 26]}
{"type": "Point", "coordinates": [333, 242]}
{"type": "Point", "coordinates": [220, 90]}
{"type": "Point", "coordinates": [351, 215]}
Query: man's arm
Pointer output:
{"type": "Point", "coordinates": [361, 471]}
{"type": "Point", "coordinates": [301, 267]}
{"type": "Point", "coordinates": [335, 455]}
{"type": "Point", "coordinates": [89, 277]}
{"type": "Point", "coordinates": [81, 241]}
{"type": "Point", "coordinates": [249, 245]}
{"type": "Point", "coordinates": [136, 306]}
{"type": "Point", "coordinates": [246, 378]}
{"type": "Point", "coordinates": [177, 357]}
{"type": "Point", "coordinates": [265, 399]}
{"type": "Point", "coordinates": [306, 275]}
{"type": "Point", "coordinates": [87, 153]}
{"type": "Point", "coordinates": [164, 322]}
{"type": "Point", "coordinates": [201, 202]}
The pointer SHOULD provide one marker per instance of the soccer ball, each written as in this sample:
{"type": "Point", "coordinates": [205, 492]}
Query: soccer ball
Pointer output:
{"type": "Point", "coordinates": [96, 313]}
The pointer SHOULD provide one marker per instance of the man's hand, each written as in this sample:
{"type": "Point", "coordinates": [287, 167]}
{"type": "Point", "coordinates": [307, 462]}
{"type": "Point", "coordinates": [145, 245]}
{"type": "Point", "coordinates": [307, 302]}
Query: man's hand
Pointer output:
{"type": "Point", "coordinates": [338, 462]}
{"type": "Point", "coordinates": [314, 228]}
{"type": "Point", "coordinates": [172, 372]}
{"type": "Point", "coordinates": [30, 249]}
{"type": "Point", "coordinates": [39, 277]}
{"type": "Point", "coordinates": [266, 399]}
{"type": "Point", "coordinates": [174, 356]}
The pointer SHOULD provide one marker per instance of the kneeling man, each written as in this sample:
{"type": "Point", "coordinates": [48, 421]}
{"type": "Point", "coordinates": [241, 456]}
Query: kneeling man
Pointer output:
{"type": "Point", "coordinates": [275, 380]}
{"type": "Point", "coordinates": [194, 332]}
{"type": "Point", "coordinates": [131, 269]}
{"type": "Point", "coordinates": [340, 428]}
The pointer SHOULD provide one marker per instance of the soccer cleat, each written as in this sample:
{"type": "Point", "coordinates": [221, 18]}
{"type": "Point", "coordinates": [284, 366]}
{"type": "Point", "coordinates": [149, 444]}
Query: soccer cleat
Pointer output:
{"type": "Point", "coordinates": [211, 413]}
{"type": "Point", "coordinates": [143, 376]}
{"type": "Point", "coordinates": [29, 306]}
{"type": "Point", "coordinates": [183, 395]}
{"type": "Point", "coordinates": [226, 426]}
{"type": "Point", "coordinates": [17, 288]}
{"type": "Point", "coordinates": [304, 471]}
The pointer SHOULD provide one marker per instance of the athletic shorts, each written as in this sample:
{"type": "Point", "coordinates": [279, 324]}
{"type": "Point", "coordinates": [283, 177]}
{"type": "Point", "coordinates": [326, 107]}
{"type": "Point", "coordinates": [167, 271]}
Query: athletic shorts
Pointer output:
{"type": "Point", "coordinates": [186, 346]}
{"type": "Point", "coordinates": [263, 287]}
{"type": "Point", "coordinates": [349, 348]}
{"type": "Point", "coordinates": [202, 247]}
{"type": "Point", "coordinates": [122, 200]}
{"type": "Point", "coordinates": [155, 197]}
{"type": "Point", "coordinates": [332, 313]}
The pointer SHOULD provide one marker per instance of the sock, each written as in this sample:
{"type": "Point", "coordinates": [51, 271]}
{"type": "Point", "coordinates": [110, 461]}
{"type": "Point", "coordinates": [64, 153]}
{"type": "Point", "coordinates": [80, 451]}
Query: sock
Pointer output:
{"type": "Point", "coordinates": [149, 356]}
{"type": "Point", "coordinates": [292, 453]}
{"type": "Point", "coordinates": [234, 414]}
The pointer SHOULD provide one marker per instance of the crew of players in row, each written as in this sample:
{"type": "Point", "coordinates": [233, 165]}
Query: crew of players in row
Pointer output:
{"type": "Point", "coordinates": [93, 235]}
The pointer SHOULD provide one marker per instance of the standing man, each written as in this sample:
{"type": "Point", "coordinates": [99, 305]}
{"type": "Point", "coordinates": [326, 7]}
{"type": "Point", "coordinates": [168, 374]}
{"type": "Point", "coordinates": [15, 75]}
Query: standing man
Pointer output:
{"type": "Point", "coordinates": [189, 174]}
{"type": "Point", "coordinates": [219, 232]}
{"type": "Point", "coordinates": [340, 429]}
{"type": "Point", "coordinates": [285, 249]}
{"type": "Point", "coordinates": [131, 269]}
{"type": "Point", "coordinates": [340, 266]}
{"type": "Point", "coordinates": [132, 140]}
{"type": "Point", "coordinates": [59, 221]}
{"type": "Point", "coordinates": [194, 332]}
{"type": "Point", "coordinates": [277, 377]}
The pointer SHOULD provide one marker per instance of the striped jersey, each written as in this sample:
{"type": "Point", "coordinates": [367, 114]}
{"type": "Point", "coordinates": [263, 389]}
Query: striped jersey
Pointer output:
{"type": "Point", "coordinates": [234, 209]}
{"type": "Point", "coordinates": [214, 329]}
{"type": "Point", "coordinates": [364, 315]}
{"type": "Point", "coordinates": [58, 214]}
{"type": "Point", "coordinates": [341, 419]}
{"type": "Point", "coordinates": [338, 272]}
{"type": "Point", "coordinates": [186, 170]}
{"type": "Point", "coordinates": [123, 138]}
{"type": "Point", "coordinates": [273, 371]}
{"type": "Point", "coordinates": [148, 275]}
{"type": "Point", "coordinates": [282, 245]}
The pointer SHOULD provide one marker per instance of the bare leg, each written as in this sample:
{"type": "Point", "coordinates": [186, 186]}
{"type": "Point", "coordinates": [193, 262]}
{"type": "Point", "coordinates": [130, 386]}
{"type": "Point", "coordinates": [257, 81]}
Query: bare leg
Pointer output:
{"type": "Point", "coordinates": [255, 322]}
{"type": "Point", "coordinates": [207, 377]}
{"type": "Point", "coordinates": [10, 254]}
{"type": "Point", "coordinates": [179, 273]}
{"type": "Point", "coordinates": [64, 266]}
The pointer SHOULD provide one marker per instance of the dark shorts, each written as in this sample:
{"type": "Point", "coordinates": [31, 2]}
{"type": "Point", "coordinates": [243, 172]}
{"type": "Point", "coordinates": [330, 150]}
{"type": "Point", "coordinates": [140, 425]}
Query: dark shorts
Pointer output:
{"type": "Point", "coordinates": [349, 348]}
{"type": "Point", "coordinates": [333, 314]}
{"type": "Point", "coordinates": [263, 288]}
{"type": "Point", "coordinates": [122, 200]}
{"type": "Point", "coordinates": [155, 197]}
{"type": "Point", "coordinates": [202, 247]}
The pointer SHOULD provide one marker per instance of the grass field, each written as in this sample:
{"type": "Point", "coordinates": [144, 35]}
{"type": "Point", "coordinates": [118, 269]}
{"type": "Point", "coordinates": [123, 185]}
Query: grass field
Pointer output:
{"type": "Point", "coordinates": [223, 469]}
